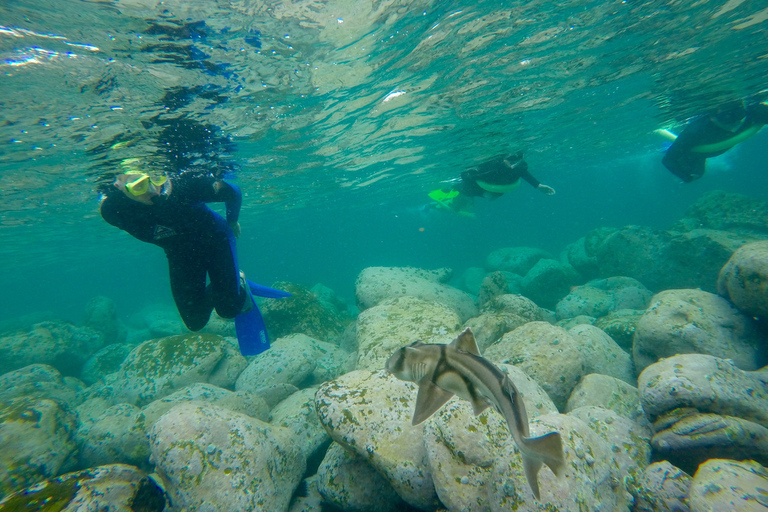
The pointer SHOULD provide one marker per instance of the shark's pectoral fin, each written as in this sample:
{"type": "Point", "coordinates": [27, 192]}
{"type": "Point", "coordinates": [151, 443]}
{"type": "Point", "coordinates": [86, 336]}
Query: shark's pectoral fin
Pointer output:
{"type": "Point", "coordinates": [429, 400]}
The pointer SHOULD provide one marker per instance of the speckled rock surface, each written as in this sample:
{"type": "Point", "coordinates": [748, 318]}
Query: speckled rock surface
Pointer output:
{"type": "Point", "coordinates": [370, 413]}
{"type": "Point", "coordinates": [117, 436]}
{"type": "Point", "coordinates": [377, 284]}
{"type": "Point", "coordinates": [551, 356]}
{"type": "Point", "coordinates": [662, 488]}
{"type": "Point", "coordinates": [744, 279]}
{"type": "Point", "coordinates": [349, 483]}
{"type": "Point", "coordinates": [105, 361]}
{"type": "Point", "coordinates": [395, 323]}
{"type": "Point", "coordinates": [609, 393]}
{"type": "Point", "coordinates": [603, 354]}
{"type": "Point", "coordinates": [113, 488]}
{"type": "Point", "coordinates": [36, 441]}
{"type": "Point", "coordinates": [59, 344]}
{"type": "Point", "coordinates": [600, 297]}
{"type": "Point", "coordinates": [688, 438]}
{"type": "Point", "coordinates": [40, 380]}
{"type": "Point", "coordinates": [728, 485]}
{"type": "Point", "coordinates": [549, 281]}
{"type": "Point", "coordinates": [518, 260]}
{"type": "Point", "coordinates": [705, 383]}
{"type": "Point", "coordinates": [620, 326]}
{"type": "Point", "coordinates": [244, 402]}
{"type": "Point", "coordinates": [296, 359]}
{"type": "Point", "coordinates": [157, 368]}
{"type": "Point", "coordinates": [498, 283]}
{"type": "Point", "coordinates": [202, 450]}
{"type": "Point", "coordinates": [501, 315]}
{"type": "Point", "coordinates": [696, 322]}
{"type": "Point", "coordinates": [302, 312]}
{"type": "Point", "coordinates": [297, 414]}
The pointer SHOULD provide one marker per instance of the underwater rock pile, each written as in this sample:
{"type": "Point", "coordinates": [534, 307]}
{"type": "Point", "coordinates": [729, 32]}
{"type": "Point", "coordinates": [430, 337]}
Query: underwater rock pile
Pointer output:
{"type": "Point", "coordinates": [645, 349]}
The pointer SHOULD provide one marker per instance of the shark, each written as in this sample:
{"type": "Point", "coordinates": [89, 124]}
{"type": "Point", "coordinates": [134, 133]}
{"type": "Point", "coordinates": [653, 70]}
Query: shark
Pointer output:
{"type": "Point", "coordinates": [442, 371]}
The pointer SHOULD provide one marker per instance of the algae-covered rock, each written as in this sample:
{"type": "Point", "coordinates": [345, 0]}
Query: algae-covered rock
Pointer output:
{"type": "Point", "coordinates": [302, 312]}
{"type": "Point", "coordinates": [728, 211]}
{"type": "Point", "coordinates": [42, 381]}
{"type": "Point", "coordinates": [202, 451]}
{"type": "Point", "coordinates": [498, 283]}
{"type": "Point", "coordinates": [600, 297]}
{"type": "Point", "coordinates": [157, 368]}
{"type": "Point", "coordinates": [662, 488]}
{"type": "Point", "coordinates": [501, 315]}
{"type": "Point", "coordinates": [603, 354]}
{"type": "Point", "coordinates": [113, 488]}
{"type": "Point", "coordinates": [517, 260]}
{"type": "Point", "coordinates": [297, 413]}
{"type": "Point", "coordinates": [36, 441]}
{"type": "Point", "coordinates": [744, 279]}
{"type": "Point", "coordinates": [116, 436]}
{"type": "Point", "coordinates": [729, 485]}
{"type": "Point", "coordinates": [105, 361]}
{"type": "Point", "coordinates": [609, 393]}
{"type": "Point", "coordinates": [548, 281]}
{"type": "Point", "coordinates": [620, 326]}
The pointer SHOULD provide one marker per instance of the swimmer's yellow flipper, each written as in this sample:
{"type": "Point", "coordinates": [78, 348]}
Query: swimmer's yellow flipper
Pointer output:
{"type": "Point", "coordinates": [666, 134]}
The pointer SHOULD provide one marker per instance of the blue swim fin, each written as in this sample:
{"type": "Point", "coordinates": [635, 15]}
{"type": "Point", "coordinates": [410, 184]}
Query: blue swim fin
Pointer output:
{"type": "Point", "coordinates": [265, 291]}
{"type": "Point", "coordinates": [251, 332]}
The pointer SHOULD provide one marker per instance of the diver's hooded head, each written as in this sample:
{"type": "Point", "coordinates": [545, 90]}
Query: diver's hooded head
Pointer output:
{"type": "Point", "coordinates": [730, 115]}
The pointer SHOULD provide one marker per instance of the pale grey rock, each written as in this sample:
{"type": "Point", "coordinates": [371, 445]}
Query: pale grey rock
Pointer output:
{"type": "Point", "coordinates": [548, 282]}
{"type": "Point", "coordinates": [36, 441]}
{"type": "Point", "coordinates": [744, 279]}
{"type": "Point", "coordinates": [297, 414]}
{"type": "Point", "coordinates": [117, 436]}
{"type": "Point", "coordinates": [201, 450]}
{"type": "Point", "coordinates": [609, 393]}
{"type": "Point", "coordinates": [501, 315]}
{"type": "Point", "coordinates": [603, 354]}
{"type": "Point", "coordinates": [157, 368]}
{"type": "Point", "coordinates": [600, 297]}
{"type": "Point", "coordinates": [308, 499]}
{"type": "Point", "coordinates": [704, 383]}
{"type": "Point", "coordinates": [101, 316]}
{"type": "Point", "coordinates": [377, 284]}
{"type": "Point", "coordinates": [517, 260]}
{"type": "Point", "coordinates": [348, 482]}
{"type": "Point", "coordinates": [370, 413]}
{"type": "Point", "coordinates": [696, 322]}
{"type": "Point", "coordinates": [392, 324]}
{"type": "Point", "coordinates": [728, 485]}
{"type": "Point", "coordinates": [662, 488]}
{"type": "Point", "coordinates": [42, 381]}
{"type": "Point", "coordinates": [244, 402]}
{"type": "Point", "coordinates": [105, 361]}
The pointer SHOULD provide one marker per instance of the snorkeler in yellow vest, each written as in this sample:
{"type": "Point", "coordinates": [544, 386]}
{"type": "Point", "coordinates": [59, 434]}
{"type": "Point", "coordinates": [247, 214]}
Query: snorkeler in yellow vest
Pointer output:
{"type": "Point", "coordinates": [712, 135]}
{"type": "Point", "coordinates": [491, 179]}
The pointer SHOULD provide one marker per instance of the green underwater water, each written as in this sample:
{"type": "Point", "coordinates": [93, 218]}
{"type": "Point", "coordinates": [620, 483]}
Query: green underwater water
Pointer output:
{"type": "Point", "coordinates": [337, 118]}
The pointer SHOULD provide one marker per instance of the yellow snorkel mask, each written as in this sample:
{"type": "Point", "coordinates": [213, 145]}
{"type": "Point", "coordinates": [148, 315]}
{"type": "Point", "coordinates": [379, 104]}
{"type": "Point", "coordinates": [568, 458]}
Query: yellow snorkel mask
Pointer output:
{"type": "Point", "coordinates": [139, 182]}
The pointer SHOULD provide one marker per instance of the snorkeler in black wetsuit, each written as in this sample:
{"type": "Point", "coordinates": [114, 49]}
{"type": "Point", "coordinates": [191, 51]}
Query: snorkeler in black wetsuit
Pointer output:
{"type": "Point", "coordinates": [171, 213]}
{"type": "Point", "coordinates": [491, 179]}
{"type": "Point", "coordinates": [712, 135]}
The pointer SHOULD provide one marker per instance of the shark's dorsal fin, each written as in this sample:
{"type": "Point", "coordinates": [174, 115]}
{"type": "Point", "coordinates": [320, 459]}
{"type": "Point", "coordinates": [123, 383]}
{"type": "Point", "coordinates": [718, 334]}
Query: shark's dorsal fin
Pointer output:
{"type": "Point", "coordinates": [429, 400]}
{"type": "Point", "coordinates": [466, 342]}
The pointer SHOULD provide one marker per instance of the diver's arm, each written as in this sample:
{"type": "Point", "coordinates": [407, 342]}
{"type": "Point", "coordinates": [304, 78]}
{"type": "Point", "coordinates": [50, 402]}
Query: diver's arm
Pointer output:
{"type": "Point", "coordinates": [231, 195]}
{"type": "Point", "coordinates": [759, 113]}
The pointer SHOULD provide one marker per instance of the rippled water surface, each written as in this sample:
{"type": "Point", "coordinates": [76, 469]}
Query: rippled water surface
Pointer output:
{"type": "Point", "coordinates": [336, 117]}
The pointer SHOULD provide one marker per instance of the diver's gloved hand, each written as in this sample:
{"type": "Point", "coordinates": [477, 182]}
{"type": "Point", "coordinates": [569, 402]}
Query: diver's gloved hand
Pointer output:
{"type": "Point", "coordinates": [235, 229]}
{"type": "Point", "coordinates": [547, 190]}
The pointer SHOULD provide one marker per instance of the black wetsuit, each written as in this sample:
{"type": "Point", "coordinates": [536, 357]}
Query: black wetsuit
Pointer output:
{"type": "Point", "coordinates": [495, 172]}
{"type": "Point", "coordinates": [196, 240]}
{"type": "Point", "coordinates": [689, 165]}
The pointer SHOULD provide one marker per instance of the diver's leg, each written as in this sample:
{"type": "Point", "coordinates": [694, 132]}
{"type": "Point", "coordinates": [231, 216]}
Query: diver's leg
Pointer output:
{"type": "Point", "coordinates": [187, 272]}
{"type": "Point", "coordinates": [227, 290]}
{"type": "Point", "coordinates": [686, 165]}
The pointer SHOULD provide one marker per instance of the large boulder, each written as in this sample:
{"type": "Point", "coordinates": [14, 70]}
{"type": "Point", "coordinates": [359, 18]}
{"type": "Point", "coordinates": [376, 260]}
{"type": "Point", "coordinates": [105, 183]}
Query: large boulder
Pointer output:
{"type": "Point", "coordinates": [727, 211]}
{"type": "Point", "coordinates": [729, 485]}
{"type": "Point", "coordinates": [101, 316]}
{"type": "Point", "coordinates": [41, 381]}
{"type": "Point", "coordinates": [600, 297]}
{"type": "Point", "coordinates": [548, 281]}
{"type": "Point", "coordinates": [744, 279]}
{"type": "Point", "coordinates": [662, 488]}
{"type": "Point", "coordinates": [501, 315]}
{"type": "Point", "coordinates": [377, 284]}
{"type": "Point", "coordinates": [609, 393]}
{"type": "Point", "coordinates": [201, 450]}
{"type": "Point", "coordinates": [517, 260]}
{"type": "Point", "coordinates": [116, 436]}
{"type": "Point", "coordinates": [303, 312]}
{"type": "Point", "coordinates": [695, 321]}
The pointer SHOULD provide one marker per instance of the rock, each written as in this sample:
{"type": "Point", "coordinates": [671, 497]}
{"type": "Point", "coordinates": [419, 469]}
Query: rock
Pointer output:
{"type": "Point", "coordinates": [695, 321]}
{"type": "Point", "coordinates": [548, 282]}
{"type": "Point", "coordinates": [36, 441]}
{"type": "Point", "coordinates": [620, 326]}
{"type": "Point", "coordinates": [157, 368]}
{"type": "Point", "coordinates": [40, 381]}
{"type": "Point", "coordinates": [162, 321]}
{"type": "Point", "coordinates": [662, 488]}
{"type": "Point", "coordinates": [370, 413]}
{"type": "Point", "coordinates": [688, 438]}
{"type": "Point", "coordinates": [275, 393]}
{"type": "Point", "coordinates": [297, 414]}
{"type": "Point", "coordinates": [117, 487]}
{"type": "Point", "coordinates": [704, 383]}
{"type": "Point", "coordinates": [632, 251]}
{"type": "Point", "coordinates": [101, 316]}
{"type": "Point", "coordinates": [727, 211]}
{"type": "Point", "coordinates": [307, 498]}
{"type": "Point", "coordinates": [498, 283]}
{"type": "Point", "coordinates": [517, 260]}
{"type": "Point", "coordinates": [349, 483]}
{"type": "Point", "coordinates": [501, 315]}
{"type": "Point", "coordinates": [58, 344]}
{"type": "Point", "coordinates": [548, 354]}
{"type": "Point", "coordinates": [578, 256]}
{"type": "Point", "coordinates": [570, 323]}
{"type": "Point", "coordinates": [296, 359]}
{"type": "Point", "coordinates": [303, 313]}
{"type": "Point", "coordinates": [600, 297]}
{"type": "Point", "coordinates": [744, 279]}
{"type": "Point", "coordinates": [471, 279]}
{"type": "Point", "coordinates": [376, 285]}
{"type": "Point", "coordinates": [105, 361]}
{"type": "Point", "coordinates": [394, 323]}
{"type": "Point", "coordinates": [729, 485]}
{"type": "Point", "coordinates": [201, 450]}
{"type": "Point", "coordinates": [603, 354]}
{"type": "Point", "coordinates": [244, 402]}
{"type": "Point", "coordinates": [116, 436]}
{"type": "Point", "coordinates": [609, 393]}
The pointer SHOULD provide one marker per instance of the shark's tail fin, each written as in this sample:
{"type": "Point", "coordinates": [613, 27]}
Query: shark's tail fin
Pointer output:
{"type": "Point", "coordinates": [549, 450]}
